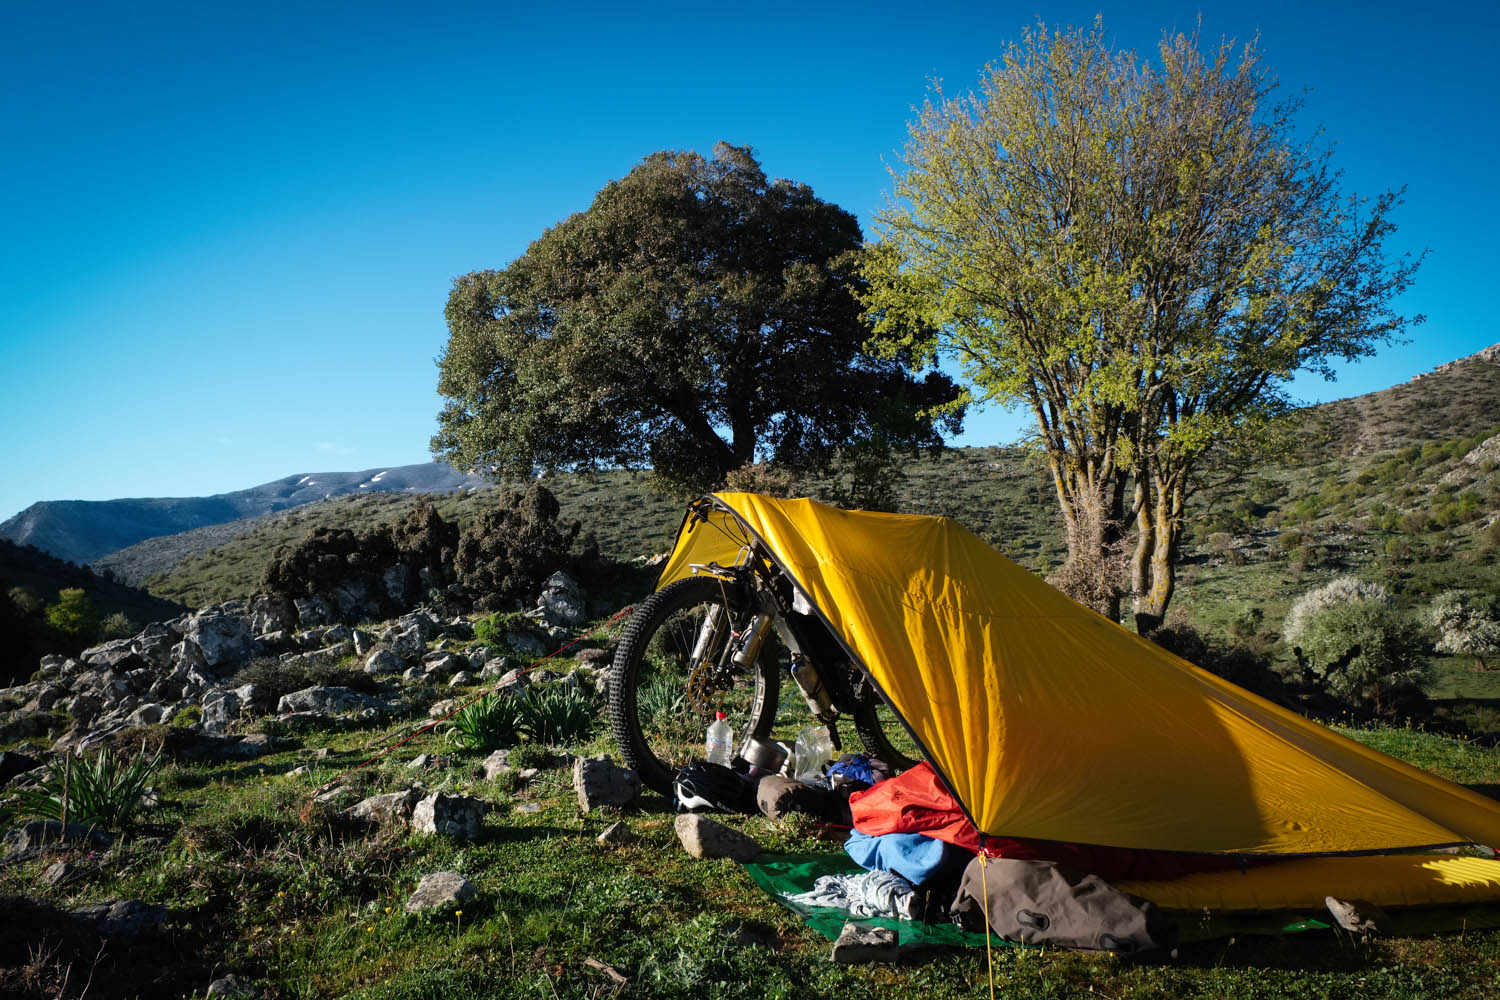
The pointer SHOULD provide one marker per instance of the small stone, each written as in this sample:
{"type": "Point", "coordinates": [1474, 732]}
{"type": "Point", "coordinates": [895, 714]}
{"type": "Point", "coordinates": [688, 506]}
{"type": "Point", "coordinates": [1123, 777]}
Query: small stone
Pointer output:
{"type": "Point", "coordinates": [704, 838]}
{"type": "Point", "coordinates": [527, 773]}
{"type": "Point", "coordinates": [600, 782]}
{"type": "Point", "coordinates": [47, 832]}
{"type": "Point", "coordinates": [616, 834]}
{"type": "Point", "coordinates": [495, 763]}
{"type": "Point", "coordinates": [456, 816]}
{"type": "Point", "coordinates": [424, 761]}
{"type": "Point", "coordinates": [441, 889]}
{"type": "Point", "coordinates": [394, 808]}
{"type": "Point", "coordinates": [304, 769]}
{"type": "Point", "coordinates": [529, 808]}
{"type": "Point", "coordinates": [232, 987]}
{"type": "Point", "coordinates": [859, 944]}
{"type": "Point", "coordinates": [461, 679]}
{"type": "Point", "coordinates": [442, 708]}
{"type": "Point", "coordinates": [60, 873]}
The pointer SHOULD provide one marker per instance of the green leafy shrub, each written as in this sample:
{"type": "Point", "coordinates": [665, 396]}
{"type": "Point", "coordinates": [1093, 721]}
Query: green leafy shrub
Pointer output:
{"type": "Point", "coordinates": [116, 626]}
{"type": "Point", "coordinates": [75, 616]}
{"type": "Point", "coordinates": [557, 714]}
{"type": "Point", "coordinates": [510, 549]}
{"type": "Point", "coordinates": [490, 723]}
{"type": "Point", "coordinates": [103, 790]}
{"type": "Point", "coordinates": [492, 628]}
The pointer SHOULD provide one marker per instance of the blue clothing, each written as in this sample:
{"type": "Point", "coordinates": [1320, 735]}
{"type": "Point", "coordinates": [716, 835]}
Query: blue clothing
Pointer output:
{"type": "Point", "coordinates": [914, 856]}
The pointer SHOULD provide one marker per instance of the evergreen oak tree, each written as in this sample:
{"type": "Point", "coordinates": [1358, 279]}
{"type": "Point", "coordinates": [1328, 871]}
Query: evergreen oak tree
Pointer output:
{"type": "Point", "coordinates": [696, 318]}
{"type": "Point", "coordinates": [1142, 254]}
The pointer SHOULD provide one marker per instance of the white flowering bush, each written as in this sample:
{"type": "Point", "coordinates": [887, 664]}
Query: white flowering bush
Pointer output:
{"type": "Point", "coordinates": [1359, 646]}
{"type": "Point", "coordinates": [1466, 623]}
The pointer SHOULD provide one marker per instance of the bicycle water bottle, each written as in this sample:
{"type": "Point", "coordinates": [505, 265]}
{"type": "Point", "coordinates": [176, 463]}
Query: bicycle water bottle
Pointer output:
{"type": "Point", "coordinates": [719, 745]}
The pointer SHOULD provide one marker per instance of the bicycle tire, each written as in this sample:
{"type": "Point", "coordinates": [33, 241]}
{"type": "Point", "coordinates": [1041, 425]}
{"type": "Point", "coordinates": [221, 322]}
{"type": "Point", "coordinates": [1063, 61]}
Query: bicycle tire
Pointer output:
{"type": "Point", "coordinates": [871, 730]}
{"type": "Point", "coordinates": [658, 734]}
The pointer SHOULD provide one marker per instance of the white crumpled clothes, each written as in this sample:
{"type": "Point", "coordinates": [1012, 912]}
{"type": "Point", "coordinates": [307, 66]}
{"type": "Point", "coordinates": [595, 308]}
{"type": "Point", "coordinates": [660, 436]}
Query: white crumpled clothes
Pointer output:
{"type": "Point", "coordinates": [864, 894]}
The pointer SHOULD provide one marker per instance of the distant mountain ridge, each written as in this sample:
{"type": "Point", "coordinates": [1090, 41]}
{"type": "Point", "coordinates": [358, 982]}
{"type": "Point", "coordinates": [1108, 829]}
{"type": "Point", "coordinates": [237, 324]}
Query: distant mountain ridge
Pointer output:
{"type": "Point", "coordinates": [83, 530]}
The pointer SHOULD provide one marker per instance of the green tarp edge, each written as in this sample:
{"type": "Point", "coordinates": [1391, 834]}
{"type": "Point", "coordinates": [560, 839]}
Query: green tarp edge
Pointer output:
{"type": "Point", "coordinates": [783, 875]}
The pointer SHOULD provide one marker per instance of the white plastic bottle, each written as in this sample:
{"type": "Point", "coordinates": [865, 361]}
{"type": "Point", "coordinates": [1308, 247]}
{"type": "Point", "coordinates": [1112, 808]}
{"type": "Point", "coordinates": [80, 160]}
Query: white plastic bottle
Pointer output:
{"type": "Point", "coordinates": [719, 745]}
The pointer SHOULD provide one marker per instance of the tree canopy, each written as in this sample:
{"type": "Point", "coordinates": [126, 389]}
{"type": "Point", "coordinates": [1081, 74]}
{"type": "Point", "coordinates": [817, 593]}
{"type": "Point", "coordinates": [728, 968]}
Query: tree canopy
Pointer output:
{"type": "Point", "coordinates": [1142, 254]}
{"type": "Point", "coordinates": [696, 318]}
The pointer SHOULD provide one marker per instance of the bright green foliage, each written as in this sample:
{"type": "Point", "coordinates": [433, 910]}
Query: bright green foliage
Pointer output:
{"type": "Point", "coordinates": [492, 722]}
{"type": "Point", "coordinates": [103, 790]}
{"type": "Point", "coordinates": [697, 317]}
{"type": "Point", "coordinates": [490, 630]}
{"type": "Point", "coordinates": [557, 714]}
{"type": "Point", "coordinates": [1140, 253]}
{"type": "Point", "coordinates": [74, 615]}
{"type": "Point", "coordinates": [1467, 623]}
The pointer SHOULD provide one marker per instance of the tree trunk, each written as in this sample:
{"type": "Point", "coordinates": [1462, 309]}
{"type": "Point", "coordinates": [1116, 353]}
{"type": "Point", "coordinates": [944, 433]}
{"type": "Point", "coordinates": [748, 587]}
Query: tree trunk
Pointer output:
{"type": "Point", "coordinates": [1154, 571]}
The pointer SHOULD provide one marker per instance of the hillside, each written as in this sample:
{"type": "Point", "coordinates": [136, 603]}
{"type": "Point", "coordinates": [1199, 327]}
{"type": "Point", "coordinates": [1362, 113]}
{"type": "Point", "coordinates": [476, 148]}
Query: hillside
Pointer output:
{"type": "Point", "coordinates": [84, 530]}
{"type": "Point", "coordinates": [41, 576]}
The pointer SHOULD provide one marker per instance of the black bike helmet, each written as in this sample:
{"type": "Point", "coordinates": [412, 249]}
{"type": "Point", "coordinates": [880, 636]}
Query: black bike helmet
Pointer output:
{"type": "Point", "coordinates": [706, 787]}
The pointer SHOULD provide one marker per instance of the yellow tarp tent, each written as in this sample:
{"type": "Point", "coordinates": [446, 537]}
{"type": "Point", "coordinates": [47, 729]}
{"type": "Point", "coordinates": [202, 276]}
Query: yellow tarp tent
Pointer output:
{"type": "Point", "coordinates": [1048, 721]}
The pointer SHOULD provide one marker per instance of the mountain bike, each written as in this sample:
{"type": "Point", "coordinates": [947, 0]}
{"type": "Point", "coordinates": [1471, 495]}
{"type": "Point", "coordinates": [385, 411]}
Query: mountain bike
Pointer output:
{"type": "Point", "coordinates": [726, 639]}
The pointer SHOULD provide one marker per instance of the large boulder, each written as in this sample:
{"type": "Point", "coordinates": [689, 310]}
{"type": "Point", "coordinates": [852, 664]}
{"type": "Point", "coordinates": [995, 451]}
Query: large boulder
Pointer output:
{"type": "Point", "coordinates": [561, 601]}
{"type": "Point", "coordinates": [223, 639]}
{"type": "Point", "coordinates": [382, 662]}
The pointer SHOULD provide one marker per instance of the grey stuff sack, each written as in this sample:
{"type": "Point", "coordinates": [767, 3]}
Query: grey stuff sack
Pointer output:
{"type": "Point", "coordinates": [1039, 902]}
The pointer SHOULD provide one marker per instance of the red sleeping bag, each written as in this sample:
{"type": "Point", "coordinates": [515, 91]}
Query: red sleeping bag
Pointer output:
{"type": "Point", "coordinates": [917, 801]}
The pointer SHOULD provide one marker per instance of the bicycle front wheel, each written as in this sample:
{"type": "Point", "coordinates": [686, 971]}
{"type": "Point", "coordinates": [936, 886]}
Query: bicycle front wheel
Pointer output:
{"type": "Point", "coordinates": [673, 671]}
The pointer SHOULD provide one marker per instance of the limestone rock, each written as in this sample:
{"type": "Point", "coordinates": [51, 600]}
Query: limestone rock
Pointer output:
{"type": "Point", "coordinates": [382, 662]}
{"type": "Point", "coordinates": [600, 782]}
{"type": "Point", "coordinates": [858, 944]}
{"type": "Point", "coordinates": [122, 917]}
{"type": "Point", "coordinates": [456, 816]}
{"type": "Point", "coordinates": [561, 601]}
{"type": "Point", "coordinates": [60, 873]}
{"type": "Point", "coordinates": [233, 987]}
{"type": "Point", "coordinates": [495, 763]}
{"type": "Point", "coordinates": [223, 639]}
{"type": "Point", "coordinates": [461, 679]}
{"type": "Point", "coordinates": [616, 834]}
{"type": "Point", "coordinates": [441, 889]}
{"type": "Point", "coordinates": [219, 711]}
{"type": "Point", "coordinates": [326, 699]}
{"type": "Point", "coordinates": [391, 809]}
{"type": "Point", "coordinates": [40, 833]}
{"type": "Point", "coordinates": [704, 838]}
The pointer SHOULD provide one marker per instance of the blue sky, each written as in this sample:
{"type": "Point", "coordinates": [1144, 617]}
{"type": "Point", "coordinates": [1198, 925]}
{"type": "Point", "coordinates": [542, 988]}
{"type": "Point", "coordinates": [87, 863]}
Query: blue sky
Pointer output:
{"type": "Point", "coordinates": [230, 228]}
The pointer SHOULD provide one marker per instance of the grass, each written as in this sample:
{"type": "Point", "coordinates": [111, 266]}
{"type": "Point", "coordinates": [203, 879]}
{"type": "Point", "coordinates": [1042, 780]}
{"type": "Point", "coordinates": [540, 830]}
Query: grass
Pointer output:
{"type": "Point", "coordinates": [312, 906]}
